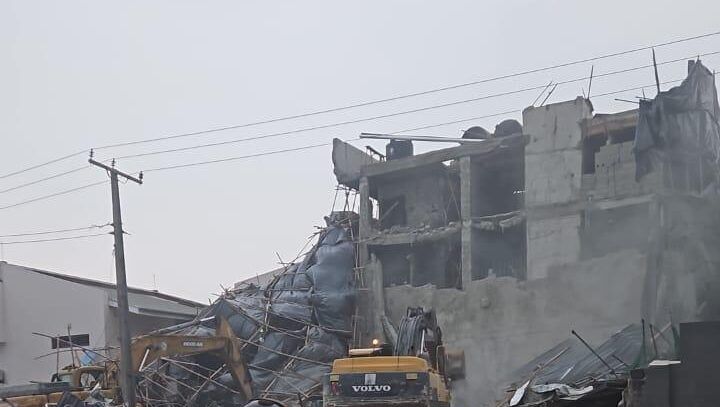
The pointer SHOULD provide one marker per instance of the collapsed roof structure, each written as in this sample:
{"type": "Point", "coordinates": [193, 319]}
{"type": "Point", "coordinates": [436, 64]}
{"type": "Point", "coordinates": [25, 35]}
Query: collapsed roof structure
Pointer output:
{"type": "Point", "coordinates": [573, 371]}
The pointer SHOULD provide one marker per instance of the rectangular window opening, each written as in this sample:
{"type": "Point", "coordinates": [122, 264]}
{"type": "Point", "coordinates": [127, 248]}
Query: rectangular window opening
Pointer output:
{"type": "Point", "coordinates": [62, 342]}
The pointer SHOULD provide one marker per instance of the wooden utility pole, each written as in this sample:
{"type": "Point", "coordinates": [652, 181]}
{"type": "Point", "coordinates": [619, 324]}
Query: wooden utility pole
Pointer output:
{"type": "Point", "coordinates": [127, 377]}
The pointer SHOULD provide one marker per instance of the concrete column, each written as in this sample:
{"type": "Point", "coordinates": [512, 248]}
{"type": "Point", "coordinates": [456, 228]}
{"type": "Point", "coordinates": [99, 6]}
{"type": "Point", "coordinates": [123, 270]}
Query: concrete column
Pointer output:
{"type": "Point", "coordinates": [365, 227]}
{"type": "Point", "coordinates": [466, 216]}
{"type": "Point", "coordinates": [370, 267]}
{"type": "Point", "coordinates": [553, 183]}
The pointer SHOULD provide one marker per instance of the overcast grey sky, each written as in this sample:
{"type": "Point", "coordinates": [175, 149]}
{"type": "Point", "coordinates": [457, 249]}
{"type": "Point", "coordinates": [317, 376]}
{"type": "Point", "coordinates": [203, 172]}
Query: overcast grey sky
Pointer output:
{"type": "Point", "coordinates": [78, 74]}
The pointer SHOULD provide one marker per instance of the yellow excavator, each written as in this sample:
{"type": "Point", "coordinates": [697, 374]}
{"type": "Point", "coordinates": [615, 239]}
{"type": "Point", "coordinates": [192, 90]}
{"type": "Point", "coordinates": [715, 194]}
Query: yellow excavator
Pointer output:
{"type": "Point", "coordinates": [80, 381]}
{"type": "Point", "coordinates": [224, 346]}
{"type": "Point", "coordinates": [416, 370]}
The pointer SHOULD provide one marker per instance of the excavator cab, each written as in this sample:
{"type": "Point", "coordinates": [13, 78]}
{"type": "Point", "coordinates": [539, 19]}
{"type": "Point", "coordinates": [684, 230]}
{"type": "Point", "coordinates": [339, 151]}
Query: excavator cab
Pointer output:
{"type": "Point", "coordinates": [84, 377]}
{"type": "Point", "coordinates": [411, 372]}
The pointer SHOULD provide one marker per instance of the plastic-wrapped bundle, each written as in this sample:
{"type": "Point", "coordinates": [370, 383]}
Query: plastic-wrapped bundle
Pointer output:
{"type": "Point", "coordinates": [290, 293]}
{"type": "Point", "coordinates": [332, 278]}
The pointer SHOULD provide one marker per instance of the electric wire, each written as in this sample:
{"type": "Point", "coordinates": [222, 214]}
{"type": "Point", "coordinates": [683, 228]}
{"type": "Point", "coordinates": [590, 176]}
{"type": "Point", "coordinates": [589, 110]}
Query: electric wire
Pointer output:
{"type": "Point", "coordinates": [406, 130]}
{"type": "Point", "coordinates": [64, 192]}
{"type": "Point", "coordinates": [180, 149]}
{"type": "Point", "coordinates": [53, 239]}
{"type": "Point", "coordinates": [287, 150]}
{"type": "Point", "coordinates": [394, 114]}
{"type": "Point", "coordinates": [50, 232]}
{"type": "Point", "coordinates": [377, 101]}
{"type": "Point", "coordinates": [304, 147]}
{"type": "Point", "coordinates": [37, 181]}
{"type": "Point", "coordinates": [65, 157]}
{"type": "Point", "coordinates": [420, 93]}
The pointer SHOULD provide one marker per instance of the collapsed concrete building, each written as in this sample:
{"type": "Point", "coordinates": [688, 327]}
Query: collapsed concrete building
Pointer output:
{"type": "Point", "coordinates": [581, 220]}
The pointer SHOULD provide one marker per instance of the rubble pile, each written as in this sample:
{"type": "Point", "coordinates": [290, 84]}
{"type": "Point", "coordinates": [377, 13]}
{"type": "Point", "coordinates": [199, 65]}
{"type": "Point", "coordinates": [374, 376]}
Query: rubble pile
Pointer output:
{"type": "Point", "coordinates": [291, 329]}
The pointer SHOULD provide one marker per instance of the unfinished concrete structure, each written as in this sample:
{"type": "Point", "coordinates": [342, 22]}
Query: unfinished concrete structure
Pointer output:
{"type": "Point", "coordinates": [517, 240]}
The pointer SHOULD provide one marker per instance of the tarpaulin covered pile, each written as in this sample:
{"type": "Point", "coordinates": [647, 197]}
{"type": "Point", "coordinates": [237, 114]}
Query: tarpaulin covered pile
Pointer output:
{"type": "Point", "coordinates": [292, 328]}
{"type": "Point", "coordinates": [680, 124]}
{"type": "Point", "coordinates": [570, 372]}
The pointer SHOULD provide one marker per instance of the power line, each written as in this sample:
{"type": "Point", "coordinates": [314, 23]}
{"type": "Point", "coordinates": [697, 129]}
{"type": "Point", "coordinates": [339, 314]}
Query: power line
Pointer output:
{"type": "Point", "coordinates": [41, 198]}
{"type": "Point", "coordinates": [27, 184]}
{"type": "Point", "coordinates": [377, 101]}
{"type": "Point", "coordinates": [172, 167]}
{"type": "Point", "coordinates": [310, 146]}
{"type": "Point", "coordinates": [284, 133]}
{"type": "Point", "coordinates": [65, 157]}
{"type": "Point", "coordinates": [53, 239]}
{"type": "Point", "coordinates": [388, 115]}
{"type": "Point", "coordinates": [320, 127]}
{"type": "Point", "coordinates": [49, 232]}
{"type": "Point", "coordinates": [413, 129]}
{"type": "Point", "coordinates": [414, 94]}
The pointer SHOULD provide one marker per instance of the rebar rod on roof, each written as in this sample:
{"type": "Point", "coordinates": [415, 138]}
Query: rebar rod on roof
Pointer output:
{"type": "Point", "coordinates": [593, 352]}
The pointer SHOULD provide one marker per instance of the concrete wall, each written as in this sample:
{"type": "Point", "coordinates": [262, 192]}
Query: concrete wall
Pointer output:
{"type": "Point", "coordinates": [552, 242]}
{"type": "Point", "coordinates": [553, 156]}
{"type": "Point", "coordinates": [615, 175]}
{"type": "Point", "coordinates": [37, 303]}
{"type": "Point", "coordinates": [553, 180]}
{"type": "Point", "coordinates": [426, 197]}
{"type": "Point", "coordinates": [609, 230]}
{"type": "Point", "coordinates": [502, 323]}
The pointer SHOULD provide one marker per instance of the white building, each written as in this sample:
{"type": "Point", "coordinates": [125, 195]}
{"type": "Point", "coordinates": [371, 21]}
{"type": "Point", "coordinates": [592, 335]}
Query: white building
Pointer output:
{"type": "Point", "coordinates": [39, 301]}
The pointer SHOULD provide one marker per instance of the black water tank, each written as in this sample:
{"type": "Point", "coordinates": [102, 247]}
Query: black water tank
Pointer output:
{"type": "Point", "coordinates": [398, 149]}
{"type": "Point", "coordinates": [508, 128]}
{"type": "Point", "coordinates": [476, 132]}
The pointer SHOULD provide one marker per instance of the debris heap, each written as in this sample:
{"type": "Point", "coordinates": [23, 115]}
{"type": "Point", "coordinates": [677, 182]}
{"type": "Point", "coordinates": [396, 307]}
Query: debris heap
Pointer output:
{"type": "Point", "coordinates": [291, 329]}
